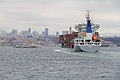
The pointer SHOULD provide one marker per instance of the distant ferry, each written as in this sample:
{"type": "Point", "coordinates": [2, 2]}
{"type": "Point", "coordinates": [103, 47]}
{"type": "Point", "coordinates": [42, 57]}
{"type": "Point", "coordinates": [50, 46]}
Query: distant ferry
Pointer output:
{"type": "Point", "coordinates": [27, 46]}
{"type": "Point", "coordinates": [86, 38]}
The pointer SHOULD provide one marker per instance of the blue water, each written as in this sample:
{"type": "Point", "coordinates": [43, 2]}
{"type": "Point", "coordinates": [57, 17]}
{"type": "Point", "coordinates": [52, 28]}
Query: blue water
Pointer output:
{"type": "Point", "coordinates": [54, 63]}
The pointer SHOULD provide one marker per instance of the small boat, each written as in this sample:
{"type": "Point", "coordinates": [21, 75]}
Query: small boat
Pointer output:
{"type": "Point", "coordinates": [27, 46]}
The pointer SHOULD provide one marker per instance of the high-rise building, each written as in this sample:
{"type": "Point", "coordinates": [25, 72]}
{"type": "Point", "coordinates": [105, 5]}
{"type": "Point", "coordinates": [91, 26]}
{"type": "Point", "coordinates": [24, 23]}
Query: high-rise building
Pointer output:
{"type": "Point", "coordinates": [46, 32]}
{"type": "Point", "coordinates": [57, 33]}
{"type": "Point", "coordinates": [29, 30]}
{"type": "Point", "coordinates": [24, 33]}
{"type": "Point", "coordinates": [63, 32]}
{"type": "Point", "coordinates": [35, 34]}
{"type": "Point", "coordinates": [14, 32]}
{"type": "Point", "coordinates": [43, 33]}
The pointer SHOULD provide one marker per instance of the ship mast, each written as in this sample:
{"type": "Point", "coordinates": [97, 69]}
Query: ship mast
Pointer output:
{"type": "Point", "coordinates": [88, 14]}
{"type": "Point", "coordinates": [88, 26]}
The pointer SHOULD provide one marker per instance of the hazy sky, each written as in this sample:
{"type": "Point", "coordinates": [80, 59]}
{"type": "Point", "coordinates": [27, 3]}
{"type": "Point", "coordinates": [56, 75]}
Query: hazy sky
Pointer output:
{"type": "Point", "coordinates": [58, 15]}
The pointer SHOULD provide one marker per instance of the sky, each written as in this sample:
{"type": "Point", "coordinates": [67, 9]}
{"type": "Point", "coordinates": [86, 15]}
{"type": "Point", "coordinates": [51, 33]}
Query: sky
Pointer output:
{"type": "Point", "coordinates": [59, 15]}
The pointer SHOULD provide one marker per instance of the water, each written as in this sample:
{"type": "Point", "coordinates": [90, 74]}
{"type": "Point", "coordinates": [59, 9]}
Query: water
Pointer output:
{"type": "Point", "coordinates": [54, 63]}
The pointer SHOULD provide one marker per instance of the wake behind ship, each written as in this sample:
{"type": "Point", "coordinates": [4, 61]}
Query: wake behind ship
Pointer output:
{"type": "Point", "coordinates": [86, 38]}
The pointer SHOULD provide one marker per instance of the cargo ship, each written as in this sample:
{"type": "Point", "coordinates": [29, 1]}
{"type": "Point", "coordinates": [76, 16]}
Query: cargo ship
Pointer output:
{"type": "Point", "coordinates": [85, 39]}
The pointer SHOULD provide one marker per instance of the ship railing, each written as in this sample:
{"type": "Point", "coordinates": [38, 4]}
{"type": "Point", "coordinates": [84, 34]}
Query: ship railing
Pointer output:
{"type": "Point", "coordinates": [88, 43]}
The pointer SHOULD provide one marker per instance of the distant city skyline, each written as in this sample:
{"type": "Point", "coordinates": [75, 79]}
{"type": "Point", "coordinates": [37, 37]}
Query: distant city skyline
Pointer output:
{"type": "Point", "coordinates": [59, 15]}
{"type": "Point", "coordinates": [28, 31]}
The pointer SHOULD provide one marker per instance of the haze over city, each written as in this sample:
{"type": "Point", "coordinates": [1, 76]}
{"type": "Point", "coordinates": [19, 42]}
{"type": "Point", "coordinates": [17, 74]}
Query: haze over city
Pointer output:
{"type": "Point", "coordinates": [59, 15]}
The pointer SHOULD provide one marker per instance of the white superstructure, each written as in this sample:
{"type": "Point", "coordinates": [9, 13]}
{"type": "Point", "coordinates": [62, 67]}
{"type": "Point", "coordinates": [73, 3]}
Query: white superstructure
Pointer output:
{"type": "Point", "coordinates": [88, 38]}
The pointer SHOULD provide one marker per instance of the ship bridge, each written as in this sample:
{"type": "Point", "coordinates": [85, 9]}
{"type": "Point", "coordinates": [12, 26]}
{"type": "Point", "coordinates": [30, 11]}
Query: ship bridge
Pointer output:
{"type": "Point", "coordinates": [82, 27]}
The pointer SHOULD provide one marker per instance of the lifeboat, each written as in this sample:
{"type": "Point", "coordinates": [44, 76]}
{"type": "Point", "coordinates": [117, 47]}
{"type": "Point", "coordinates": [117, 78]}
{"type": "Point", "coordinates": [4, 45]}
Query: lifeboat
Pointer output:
{"type": "Point", "coordinates": [94, 37]}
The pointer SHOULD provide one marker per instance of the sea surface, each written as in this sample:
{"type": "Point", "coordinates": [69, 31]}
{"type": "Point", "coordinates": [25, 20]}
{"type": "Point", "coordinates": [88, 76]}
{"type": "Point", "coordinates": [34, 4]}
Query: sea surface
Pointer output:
{"type": "Point", "coordinates": [54, 63]}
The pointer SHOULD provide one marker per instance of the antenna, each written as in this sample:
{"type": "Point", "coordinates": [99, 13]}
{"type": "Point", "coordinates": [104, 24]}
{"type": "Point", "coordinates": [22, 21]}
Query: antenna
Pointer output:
{"type": "Point", "coordinates": [88, 14]}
